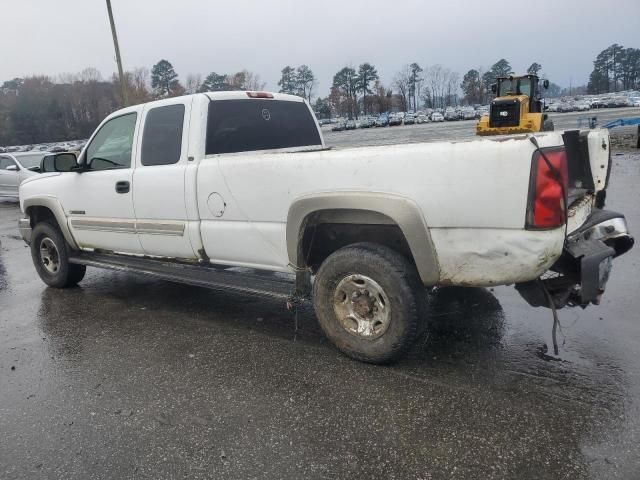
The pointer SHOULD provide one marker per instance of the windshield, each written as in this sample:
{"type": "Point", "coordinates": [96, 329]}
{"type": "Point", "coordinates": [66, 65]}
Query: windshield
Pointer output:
{"type": "Point", "coordinates": [517, 86]}
{"type": "Point", "coordinates": [30, 160]}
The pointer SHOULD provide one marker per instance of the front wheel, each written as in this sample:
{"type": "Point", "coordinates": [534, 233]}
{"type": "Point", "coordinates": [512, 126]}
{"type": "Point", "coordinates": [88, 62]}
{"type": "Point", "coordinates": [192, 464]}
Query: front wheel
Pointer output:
{"type": "Point", "coordinates": [367, 298]}
{"type": "Point", "coordinates": [50, 257]}
{"type": "Point", "coordinates": [547, 125]}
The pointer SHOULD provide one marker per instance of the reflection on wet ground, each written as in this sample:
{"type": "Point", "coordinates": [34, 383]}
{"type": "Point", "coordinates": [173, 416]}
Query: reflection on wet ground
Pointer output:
{"type": "Point", "coordinates": [126, 377]}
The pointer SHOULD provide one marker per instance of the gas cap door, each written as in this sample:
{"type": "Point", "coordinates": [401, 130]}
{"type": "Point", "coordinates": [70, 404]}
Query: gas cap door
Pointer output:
{"type": "Point", "coordinates": [216, 204]}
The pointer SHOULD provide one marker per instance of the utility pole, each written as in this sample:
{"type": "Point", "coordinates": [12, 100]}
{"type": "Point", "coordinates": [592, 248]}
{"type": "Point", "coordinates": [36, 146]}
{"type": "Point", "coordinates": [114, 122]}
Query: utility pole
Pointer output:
{"type": "Point", "coordinates": [123, 85]}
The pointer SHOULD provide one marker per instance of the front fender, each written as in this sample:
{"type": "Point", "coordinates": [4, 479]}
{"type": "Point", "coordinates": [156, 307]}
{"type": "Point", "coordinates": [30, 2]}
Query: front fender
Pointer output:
{"type": "Point", "coordinates": [53, 204]}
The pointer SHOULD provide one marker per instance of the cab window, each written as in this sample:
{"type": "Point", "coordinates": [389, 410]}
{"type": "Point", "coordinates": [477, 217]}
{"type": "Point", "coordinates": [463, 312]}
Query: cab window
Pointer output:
{"type": "Point", "coordinates": [111, 147]}
{"type": "Point", "coordinates": [162, 136]}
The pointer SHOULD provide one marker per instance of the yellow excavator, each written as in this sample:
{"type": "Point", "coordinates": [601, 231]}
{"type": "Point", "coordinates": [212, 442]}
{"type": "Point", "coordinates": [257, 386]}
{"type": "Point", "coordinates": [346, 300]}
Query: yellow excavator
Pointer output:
{"type": "Point", "coordinates": [517, 108]}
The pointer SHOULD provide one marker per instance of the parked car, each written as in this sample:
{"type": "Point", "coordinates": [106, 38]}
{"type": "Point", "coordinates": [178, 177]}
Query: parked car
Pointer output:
{"type": "Point", "coordinates": [372, 225]}
{"type": "Point", "coordinates": [468, 113]}
{"type": "Point", "coordinates": [422, 118]}
{"type": "Point", "coordinates": [382, 120]}
{"type": "Point", "coordinates": [409, 119]}
{"type": "Point", "coordinates": [367, 122]}
{"type": "Point", "coordinates": [350, 125]}
{"type": "Point", "coordinates": [395, 119]}
{"type": "Point", "coordinates": [437, 117]}
{"type": "Point", "coordinates": [339, 127]}
{"type": "Point", "coordinates": [17, 167]}
{"type": "Point", "coordinates": [450, 115]}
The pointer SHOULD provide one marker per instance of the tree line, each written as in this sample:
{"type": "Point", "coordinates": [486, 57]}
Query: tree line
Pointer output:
{"type": "Point", "coordinates": [615, 68]}
{"type": "Point", "coordinates": [45, 109]}
{"type": "Point", "coordinates": [40, 108]}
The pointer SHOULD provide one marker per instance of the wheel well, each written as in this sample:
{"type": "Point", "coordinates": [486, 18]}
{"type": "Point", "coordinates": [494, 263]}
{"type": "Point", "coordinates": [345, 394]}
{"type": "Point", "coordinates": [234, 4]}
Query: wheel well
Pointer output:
{"type": "Point", "coordinates": [324, 232]}
{"type": "Point", "coordinates": [39, 214]}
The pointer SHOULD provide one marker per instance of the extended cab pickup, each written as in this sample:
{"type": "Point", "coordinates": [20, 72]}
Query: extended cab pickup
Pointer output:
{"type": "Point", "coordinates": [233, 189]}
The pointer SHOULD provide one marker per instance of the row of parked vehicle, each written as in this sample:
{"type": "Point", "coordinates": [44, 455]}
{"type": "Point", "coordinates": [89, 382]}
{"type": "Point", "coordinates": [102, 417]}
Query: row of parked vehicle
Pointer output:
{"type": "Point", "coordinates": [56, 147]}
{"type": "Point", "coordinates": [583, 103]}
{"type": "Point", "coordinates": [407, 118]}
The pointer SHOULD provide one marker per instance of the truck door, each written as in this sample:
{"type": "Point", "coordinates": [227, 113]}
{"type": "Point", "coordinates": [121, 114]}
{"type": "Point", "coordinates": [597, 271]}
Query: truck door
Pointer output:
{"type": "Point", "coordinates": [162, 161]}
{"type": "Point", "coordinates": [98, 201]}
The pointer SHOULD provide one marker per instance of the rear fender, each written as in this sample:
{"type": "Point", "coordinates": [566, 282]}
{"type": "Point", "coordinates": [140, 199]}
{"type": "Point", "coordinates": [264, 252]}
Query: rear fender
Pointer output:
{"type": "Point", "coordinates": [402, 211]}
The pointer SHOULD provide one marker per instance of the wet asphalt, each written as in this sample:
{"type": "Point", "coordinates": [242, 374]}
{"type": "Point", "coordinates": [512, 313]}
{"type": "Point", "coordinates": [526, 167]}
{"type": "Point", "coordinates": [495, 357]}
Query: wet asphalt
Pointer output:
{"type": "Point", "coordinates": [128, 377]}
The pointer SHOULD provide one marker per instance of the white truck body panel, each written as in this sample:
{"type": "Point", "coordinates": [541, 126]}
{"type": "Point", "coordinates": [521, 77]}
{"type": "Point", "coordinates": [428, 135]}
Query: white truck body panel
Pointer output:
{"type": "Point", "coordinates": [232, 208]}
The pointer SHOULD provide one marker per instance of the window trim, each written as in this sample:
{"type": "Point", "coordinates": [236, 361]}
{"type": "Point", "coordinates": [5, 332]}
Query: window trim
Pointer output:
{"type": "Point", "coordinates": [83, 159]}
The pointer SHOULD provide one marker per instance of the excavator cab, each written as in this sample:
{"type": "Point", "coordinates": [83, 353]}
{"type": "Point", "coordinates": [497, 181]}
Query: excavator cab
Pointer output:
{"type": "Point", "coordinates": [517, 108]}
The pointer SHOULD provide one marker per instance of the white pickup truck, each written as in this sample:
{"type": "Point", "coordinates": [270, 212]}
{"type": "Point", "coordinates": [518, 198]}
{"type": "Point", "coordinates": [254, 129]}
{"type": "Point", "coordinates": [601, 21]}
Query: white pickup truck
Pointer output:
{"type": "Point", "coordinates": [190, 189]}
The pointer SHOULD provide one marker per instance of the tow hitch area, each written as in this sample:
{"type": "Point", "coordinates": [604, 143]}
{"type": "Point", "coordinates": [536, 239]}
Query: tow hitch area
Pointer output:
{"type": "Point", "coordinates": [580, 276]}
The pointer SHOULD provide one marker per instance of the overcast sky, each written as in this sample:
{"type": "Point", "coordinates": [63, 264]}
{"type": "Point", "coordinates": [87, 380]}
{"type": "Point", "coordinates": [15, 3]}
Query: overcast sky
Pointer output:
{"type": "Point", "coordinates": [198, 36]}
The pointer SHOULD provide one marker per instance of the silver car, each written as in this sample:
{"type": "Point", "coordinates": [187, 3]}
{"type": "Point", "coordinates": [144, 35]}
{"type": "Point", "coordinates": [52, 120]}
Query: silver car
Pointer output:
{"type": "Point", "coordinates": [15, 167]}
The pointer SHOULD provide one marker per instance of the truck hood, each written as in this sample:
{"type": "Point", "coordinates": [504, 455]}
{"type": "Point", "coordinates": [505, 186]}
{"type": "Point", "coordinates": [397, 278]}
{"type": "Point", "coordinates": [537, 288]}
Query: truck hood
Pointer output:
{"type": "Point", "coordinates": [39, 176]}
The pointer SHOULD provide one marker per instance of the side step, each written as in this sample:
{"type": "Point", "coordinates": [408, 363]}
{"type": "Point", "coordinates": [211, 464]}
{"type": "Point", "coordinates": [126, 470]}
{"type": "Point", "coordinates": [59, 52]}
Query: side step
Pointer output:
{"type": "Point", "coordinates": [241, 280]}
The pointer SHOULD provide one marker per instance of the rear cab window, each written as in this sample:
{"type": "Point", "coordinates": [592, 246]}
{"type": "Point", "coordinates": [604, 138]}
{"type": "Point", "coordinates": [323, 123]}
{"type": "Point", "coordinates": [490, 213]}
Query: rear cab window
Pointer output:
{"type": "Point", "coordinates": [259, 124]}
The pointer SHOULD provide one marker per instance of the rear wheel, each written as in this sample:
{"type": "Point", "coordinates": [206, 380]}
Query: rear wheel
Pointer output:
{"type": "Point", "coordinates": [51, 259]}
{"type": "Point", "coordinates": [547, 125]}
{"type": "Point", "coordinates": [367, 298]}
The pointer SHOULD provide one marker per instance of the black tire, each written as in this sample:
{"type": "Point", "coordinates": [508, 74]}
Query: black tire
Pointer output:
{"type": "Point", "coordinates": [401, 286]}
{"type": "Point", "coordinates": [547, 125]}
{"type": "Point", "coordinates": [65, 274]}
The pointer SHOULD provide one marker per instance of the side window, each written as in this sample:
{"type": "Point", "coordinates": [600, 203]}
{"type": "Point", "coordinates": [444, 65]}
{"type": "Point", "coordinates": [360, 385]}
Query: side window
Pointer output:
{"type": "Point", "coordinates": [6, 162]}
{"type": "Point", "coordinates": [111, 147]}
{"type": "Point", "coordinates": [162, 137]}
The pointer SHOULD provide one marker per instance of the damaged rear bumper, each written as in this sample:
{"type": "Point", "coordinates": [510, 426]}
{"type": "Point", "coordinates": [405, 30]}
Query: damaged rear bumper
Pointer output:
{"type": "Point", "coordinates": [580, 276]}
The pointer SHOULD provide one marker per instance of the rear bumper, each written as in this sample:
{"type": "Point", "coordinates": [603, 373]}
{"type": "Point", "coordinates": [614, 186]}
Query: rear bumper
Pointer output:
{"type": "Point", "coordinates": [580, 276]}
{"type": "Point", "coordinates": [24, 226]}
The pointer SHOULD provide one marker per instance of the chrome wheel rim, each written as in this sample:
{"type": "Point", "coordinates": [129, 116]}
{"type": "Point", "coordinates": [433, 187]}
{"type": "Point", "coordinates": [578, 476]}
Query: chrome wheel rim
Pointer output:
{"type": "Point", "coordinates": [49, 256]}
{"type": "Point", "coordinates": [362, 307]}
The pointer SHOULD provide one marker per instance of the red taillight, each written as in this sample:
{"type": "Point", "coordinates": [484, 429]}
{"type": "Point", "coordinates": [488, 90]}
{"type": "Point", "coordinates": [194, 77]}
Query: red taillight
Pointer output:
{"type": "Point", "coordinates": [547, 195]}
{"type": "Point", "coordinates": [259, 95]}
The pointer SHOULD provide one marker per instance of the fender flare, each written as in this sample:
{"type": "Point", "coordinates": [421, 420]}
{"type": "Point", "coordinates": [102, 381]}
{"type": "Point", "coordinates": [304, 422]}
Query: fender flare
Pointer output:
{"type": "Point", "coordinates": [54, 205]}
{"type": "Point", "coordinates": [401, 210]}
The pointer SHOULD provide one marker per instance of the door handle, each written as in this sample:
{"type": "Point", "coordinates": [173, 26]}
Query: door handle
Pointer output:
{"type": "Point", "coordinates": [122, 187]}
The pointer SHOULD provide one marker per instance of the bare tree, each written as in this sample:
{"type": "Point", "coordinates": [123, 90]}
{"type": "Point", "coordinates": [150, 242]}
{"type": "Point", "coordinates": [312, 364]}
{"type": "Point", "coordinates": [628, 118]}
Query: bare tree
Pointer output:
{"type": "Point", "coordinates": [453, 81]}
{"type": "Point", "coordinates": [402, 82]}
{"type": "Point", "coordinates": [435, 80]}
{"type": "Point", "coordinates": [193, 82]}
{"type": "Point", "coordinates": [89, 74]}
{"type": "Point", "coordinates": [252, 81]}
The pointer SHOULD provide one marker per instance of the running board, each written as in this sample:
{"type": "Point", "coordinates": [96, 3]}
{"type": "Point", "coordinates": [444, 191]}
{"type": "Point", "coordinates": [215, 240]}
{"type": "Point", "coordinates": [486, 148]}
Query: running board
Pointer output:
{"type": "Point", "coordinates": [236, 279]}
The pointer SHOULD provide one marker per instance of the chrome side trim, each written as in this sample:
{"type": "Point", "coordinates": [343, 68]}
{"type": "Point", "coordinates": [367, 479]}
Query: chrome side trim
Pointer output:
{"type": "Point", "coordinates": [158, 228]}
{"type": "Point", "coordinates": [120, 226]}
{"type": "Point", "coordinates": [129, 226]}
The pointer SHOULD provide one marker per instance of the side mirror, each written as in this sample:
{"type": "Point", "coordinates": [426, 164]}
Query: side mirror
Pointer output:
{"type": "Point", "coordinates": [545, 83]}
{"type": "Point", "coordinates": [12, 168]}
{"type": "Point", "coordinates": [494, 88]}
{"type": "Point", "coordinates": [59, 162]}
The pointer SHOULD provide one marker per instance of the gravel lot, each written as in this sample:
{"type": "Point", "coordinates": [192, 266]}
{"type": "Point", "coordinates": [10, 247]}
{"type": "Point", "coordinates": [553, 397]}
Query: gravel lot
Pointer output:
{"type": "Point", "coordinates": [128, 377]}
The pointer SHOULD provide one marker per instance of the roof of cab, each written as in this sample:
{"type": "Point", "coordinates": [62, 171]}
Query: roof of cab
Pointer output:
{"type": "Point", "coordinates": [243, 95]}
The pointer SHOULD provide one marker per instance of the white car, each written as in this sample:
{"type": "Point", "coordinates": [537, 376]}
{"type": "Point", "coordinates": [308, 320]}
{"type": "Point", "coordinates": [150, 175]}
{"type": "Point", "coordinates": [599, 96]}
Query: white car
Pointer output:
{"type": "Point", "coordinates": [177, 187]}
{"type": "Point", "coordinates": [437, 117]}
{"type": "Point", "coordinates": [422, 118]}
{"type": "Point", "coordinates": [15, 168]}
